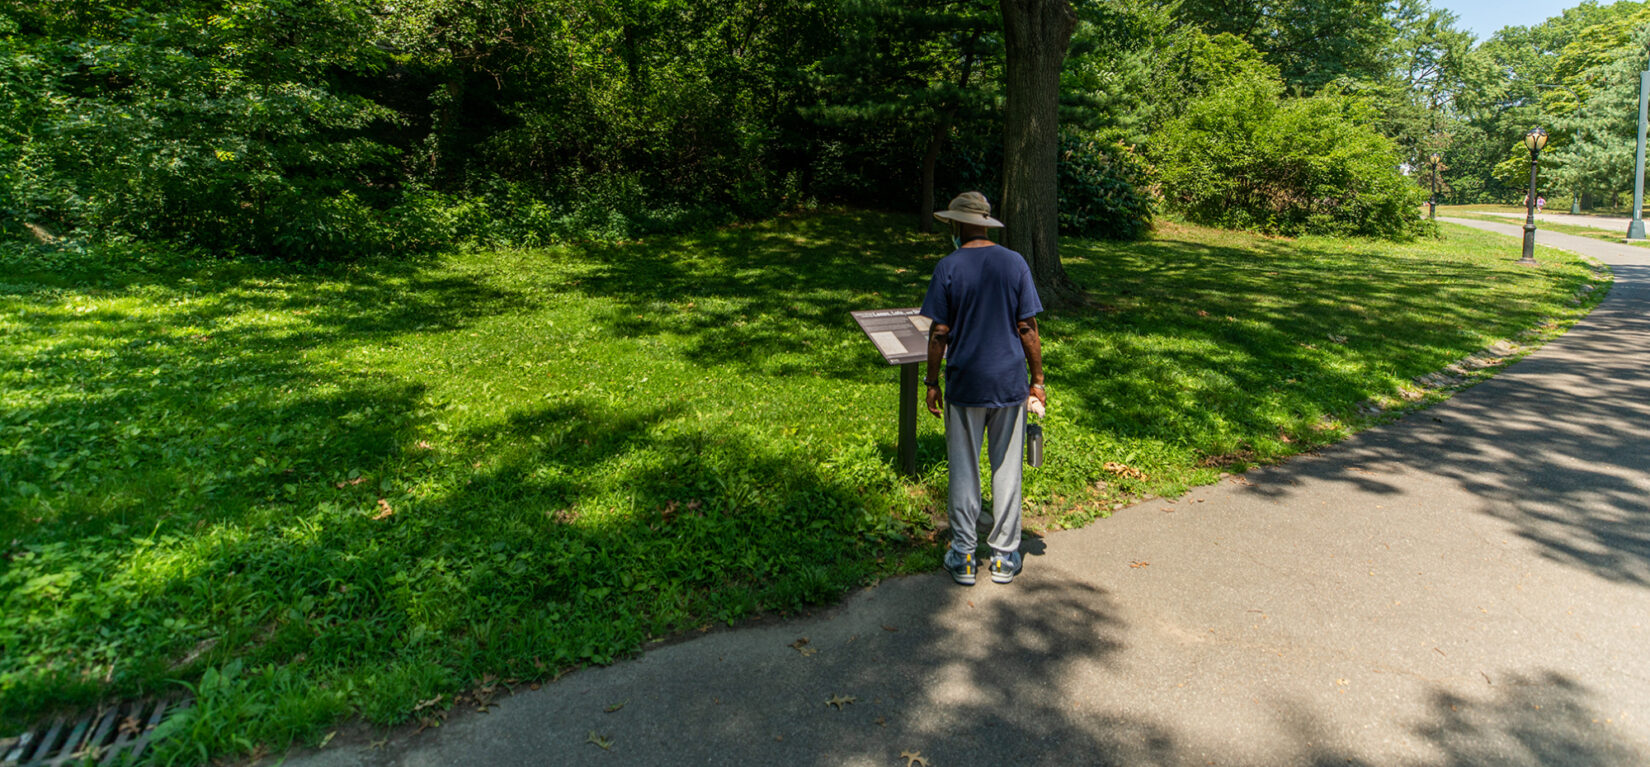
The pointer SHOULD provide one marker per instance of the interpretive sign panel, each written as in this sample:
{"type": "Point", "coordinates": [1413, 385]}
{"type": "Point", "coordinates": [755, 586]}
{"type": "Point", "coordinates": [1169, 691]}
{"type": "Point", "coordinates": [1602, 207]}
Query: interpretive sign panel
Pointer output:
{"type": "Point", "coordinates": [901, 335]}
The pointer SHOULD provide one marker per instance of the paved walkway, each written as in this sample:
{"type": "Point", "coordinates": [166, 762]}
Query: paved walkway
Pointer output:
{"type": "Point", "coordinates": [1618, 225]}
{"type": "Point", "coordinates": [1467, 586]}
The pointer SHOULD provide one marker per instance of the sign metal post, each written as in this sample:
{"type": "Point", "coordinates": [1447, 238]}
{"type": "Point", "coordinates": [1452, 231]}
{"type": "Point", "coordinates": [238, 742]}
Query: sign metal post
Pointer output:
{"type": "Point", "coordinates": [901, 336]}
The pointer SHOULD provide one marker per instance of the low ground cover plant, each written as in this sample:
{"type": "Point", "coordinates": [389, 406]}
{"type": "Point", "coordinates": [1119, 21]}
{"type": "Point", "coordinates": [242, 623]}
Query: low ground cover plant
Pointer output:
{"type": "Point", "coordinates": [310, 494]}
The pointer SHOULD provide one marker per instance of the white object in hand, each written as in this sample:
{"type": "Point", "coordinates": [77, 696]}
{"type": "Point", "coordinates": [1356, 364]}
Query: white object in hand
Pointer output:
{"type": "Point", "coordinates": [1034, 405]}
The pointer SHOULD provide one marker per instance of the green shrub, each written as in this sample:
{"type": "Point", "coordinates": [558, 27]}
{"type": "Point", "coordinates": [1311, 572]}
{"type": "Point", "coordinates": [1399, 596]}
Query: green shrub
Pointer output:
{"type": "Point", "coordinates": [1106, 189]}
{"type": "Point", "coordinates": [1244, 158]}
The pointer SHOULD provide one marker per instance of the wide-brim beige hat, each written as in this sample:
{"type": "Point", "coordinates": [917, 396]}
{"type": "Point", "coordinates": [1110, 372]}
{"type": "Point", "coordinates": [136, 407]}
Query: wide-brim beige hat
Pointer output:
{"type": "Point", "coordinates": [969, 208]}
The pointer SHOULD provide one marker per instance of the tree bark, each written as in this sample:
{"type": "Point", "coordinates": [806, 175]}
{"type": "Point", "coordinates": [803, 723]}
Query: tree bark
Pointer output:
{"type": "Point", "coordinates": [1036, 34]}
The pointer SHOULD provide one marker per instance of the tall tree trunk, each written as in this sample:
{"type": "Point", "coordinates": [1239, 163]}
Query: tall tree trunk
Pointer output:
{"type": "Point", "coordinates": [925, 204]}
{"type": "Point", "coordinates": [925, 208]}
{"type": "Point", "coordinates": [1036, 33]}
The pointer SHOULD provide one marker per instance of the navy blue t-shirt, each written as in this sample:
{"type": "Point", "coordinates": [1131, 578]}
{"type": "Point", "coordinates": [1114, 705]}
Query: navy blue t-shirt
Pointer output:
{"type": "Point", "coordinates": [981, 293]}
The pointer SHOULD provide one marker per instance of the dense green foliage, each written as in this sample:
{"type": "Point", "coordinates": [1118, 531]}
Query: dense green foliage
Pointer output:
{"type": "Point", "coordinates": [216, 129]}
{"type": "Point", "coordinates": [1576, 75]}
{"type": "Point", "coordinates": [1107, 190]}
{"type": "Point", "coordinates": [316, 130]}
{"type": "Point", "coordinates": [1240, 158]}
{"type": "Point", "coordinates": [359, 488]}
{"type": "Point", "coordinates": [1311, 42]}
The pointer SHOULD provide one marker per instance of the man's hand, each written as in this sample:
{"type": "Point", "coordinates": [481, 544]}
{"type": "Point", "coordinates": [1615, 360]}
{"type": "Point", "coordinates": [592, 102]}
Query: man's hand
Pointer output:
{"type": "Point", "coordinates": [939, 336]}
{"type": "Point", "coordinates": [1032, 341]}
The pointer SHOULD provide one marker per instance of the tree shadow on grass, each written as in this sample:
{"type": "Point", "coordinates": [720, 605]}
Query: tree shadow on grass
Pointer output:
{"type": "Point", "coordinates": [608, 527]}
{"type": "Point", "coordinates": [1264, 333]}
{"type": "Point", "coordinates": [1205, 343]}
{"type": "Point", "coordinates": [167, 390]}
{"type": "Point", "coordinates": [775, 297]}
{"type": "Point", "coordinates": [194, 419]}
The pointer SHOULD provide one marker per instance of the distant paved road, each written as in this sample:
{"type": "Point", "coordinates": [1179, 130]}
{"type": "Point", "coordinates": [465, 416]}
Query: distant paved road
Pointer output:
{"type": "Point", "coordinates": [1469, 585]}
{"type": "Point", "coordinates": [1594, 222]}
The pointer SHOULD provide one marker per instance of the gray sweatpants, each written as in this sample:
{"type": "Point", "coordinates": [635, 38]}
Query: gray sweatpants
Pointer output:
{"type": "Point", "coordinates": [1003, 429]}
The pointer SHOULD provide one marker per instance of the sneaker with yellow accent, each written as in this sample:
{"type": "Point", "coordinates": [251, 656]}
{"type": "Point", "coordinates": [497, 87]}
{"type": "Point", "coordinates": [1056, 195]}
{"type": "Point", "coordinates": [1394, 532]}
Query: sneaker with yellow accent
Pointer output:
{"type": "Point", "coordinates": [1005, 565]}
{"type": "Point", "coordinates": [961, 566]}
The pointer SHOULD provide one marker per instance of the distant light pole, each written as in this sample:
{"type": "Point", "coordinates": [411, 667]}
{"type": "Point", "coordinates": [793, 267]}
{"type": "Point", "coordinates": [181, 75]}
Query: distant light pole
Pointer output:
{"type": "Point", "coordinates": [1575, 196]}
{"type": "Point", "coordinates": [1535, 141]}
{"type": "Point", "coordinates": [1635, 230]}
{"type": "Point", "coordinates": [1432, 205]}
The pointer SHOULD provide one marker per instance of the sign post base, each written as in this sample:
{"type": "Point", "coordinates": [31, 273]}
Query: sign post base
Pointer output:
{"type": "Point", "coordinates": [909, 401]}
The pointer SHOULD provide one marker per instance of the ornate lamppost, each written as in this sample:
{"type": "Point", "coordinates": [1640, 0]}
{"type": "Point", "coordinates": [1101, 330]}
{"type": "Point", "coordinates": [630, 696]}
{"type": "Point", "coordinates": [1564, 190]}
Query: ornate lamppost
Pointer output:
{"type": "Point", "coordinates": [1432, 205]}
{"type": "Point", "coordinates": [1535, 141]}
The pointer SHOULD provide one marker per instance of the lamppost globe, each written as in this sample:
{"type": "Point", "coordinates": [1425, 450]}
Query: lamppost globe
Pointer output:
{"type": "Point", "coordinates": [1434, 159]}
{"type": "Point", "coordinates": [1535, 141]}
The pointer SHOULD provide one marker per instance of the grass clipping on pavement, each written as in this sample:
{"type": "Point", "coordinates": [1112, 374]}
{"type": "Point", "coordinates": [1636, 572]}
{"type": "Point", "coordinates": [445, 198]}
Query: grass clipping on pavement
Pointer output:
{"type": "Point", "coordinates": [312, 494]}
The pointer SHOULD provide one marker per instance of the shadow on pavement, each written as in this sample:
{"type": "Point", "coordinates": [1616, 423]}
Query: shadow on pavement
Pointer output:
{"type": "Point", "coordinates": [1555, 446]}
{"type": "Point", "coordinates": [1033, 674]}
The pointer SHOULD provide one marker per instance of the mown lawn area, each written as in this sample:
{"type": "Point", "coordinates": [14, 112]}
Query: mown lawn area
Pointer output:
{"type": "Point", "coordinates": [314, 493]}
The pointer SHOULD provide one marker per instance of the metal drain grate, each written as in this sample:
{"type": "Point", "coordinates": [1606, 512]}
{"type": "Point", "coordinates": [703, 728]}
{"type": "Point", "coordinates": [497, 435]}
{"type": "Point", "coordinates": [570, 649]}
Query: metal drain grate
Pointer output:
{"type": "Point", "coordinates": [102, 737]}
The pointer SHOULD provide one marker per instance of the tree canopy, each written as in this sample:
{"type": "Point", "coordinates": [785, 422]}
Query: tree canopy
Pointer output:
{"type": "Point", "coordinates": [335, 129]}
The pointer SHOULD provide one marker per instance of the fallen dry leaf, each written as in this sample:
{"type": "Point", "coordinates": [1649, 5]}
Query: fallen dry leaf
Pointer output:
{"type": "Point", "coordinates": [1138, 563]}
{"type": "Point", "coordinates": [1124, 470]}
{"type": "Point", "coordinates": [430, 721]}
{"type": "Point", "coordinates": [913, 758]}
{"type": "Point", "coordinates": [601, 741]}
{"type": "Point", "coordinates": [887, 627]}
{"type": "Point", "coordinates": [350, 482]}
{"type": "Point", "coordinates": [616, 706]}
{"type": "Point", "coordinates": [384, 510]}
{"type": "Point", "coordinates": [839, 701]}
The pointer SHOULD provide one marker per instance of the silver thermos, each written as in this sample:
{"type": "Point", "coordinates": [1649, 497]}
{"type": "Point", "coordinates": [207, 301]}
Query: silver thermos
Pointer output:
{"type": "Point", "coordinates": [1034, 444]}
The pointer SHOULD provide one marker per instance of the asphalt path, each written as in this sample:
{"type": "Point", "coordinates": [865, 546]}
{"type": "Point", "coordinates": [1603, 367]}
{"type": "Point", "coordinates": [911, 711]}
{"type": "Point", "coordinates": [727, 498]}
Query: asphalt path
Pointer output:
{"type": "Point", "coordinates": [1592, 222]}
{"type": "Point", "coordinates": [1468, 585]}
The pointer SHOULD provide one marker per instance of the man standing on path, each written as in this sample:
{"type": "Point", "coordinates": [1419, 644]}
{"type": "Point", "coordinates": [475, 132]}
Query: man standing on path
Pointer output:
{"type": "Point", "coordinates": [983, 308]}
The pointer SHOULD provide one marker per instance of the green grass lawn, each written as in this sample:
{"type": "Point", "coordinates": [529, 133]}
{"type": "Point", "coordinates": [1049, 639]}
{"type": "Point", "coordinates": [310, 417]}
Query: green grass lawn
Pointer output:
{"type": "Point", "coordinates": [318, 493]}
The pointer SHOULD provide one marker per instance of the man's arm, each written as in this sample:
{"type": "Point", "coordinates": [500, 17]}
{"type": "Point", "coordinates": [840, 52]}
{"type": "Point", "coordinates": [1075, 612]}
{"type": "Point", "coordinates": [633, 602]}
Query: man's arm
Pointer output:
{"type": "Point", "coordinates": [1033, 344]}
{"type": "Point", "coordinates": [939, 336]}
